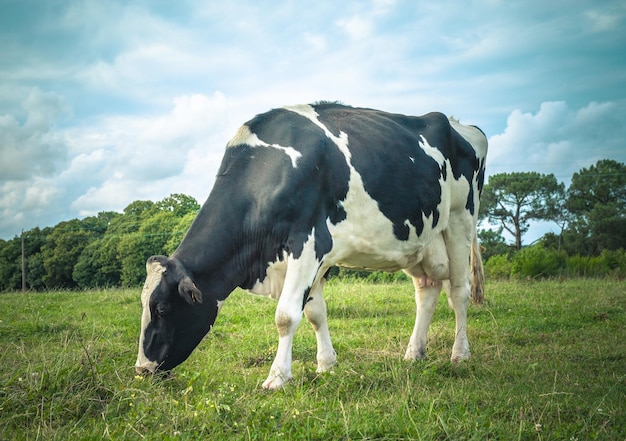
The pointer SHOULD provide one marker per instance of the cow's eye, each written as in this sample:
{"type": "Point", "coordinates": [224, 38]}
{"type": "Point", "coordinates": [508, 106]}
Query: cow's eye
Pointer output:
{"type": "Point", "coordinates": [161, 310]}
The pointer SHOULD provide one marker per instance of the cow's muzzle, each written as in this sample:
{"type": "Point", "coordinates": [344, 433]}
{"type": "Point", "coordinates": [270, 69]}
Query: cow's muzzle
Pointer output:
{"type": "Point", "coordinates": [142, 370]}
{"type": "Point", "coordinates": [146, 369]}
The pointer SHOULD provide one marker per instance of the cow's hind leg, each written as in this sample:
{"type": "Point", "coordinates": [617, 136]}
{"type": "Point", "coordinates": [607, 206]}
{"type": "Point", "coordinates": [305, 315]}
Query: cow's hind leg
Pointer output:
{"type": "Point", "coordinates": [427, 276]}
{"type": "Point", "coordinates": [459, 297]}
{"type": "Point", "coordinates": [315, 312]}
{"type": "Point", "coordinates": [459, 238]}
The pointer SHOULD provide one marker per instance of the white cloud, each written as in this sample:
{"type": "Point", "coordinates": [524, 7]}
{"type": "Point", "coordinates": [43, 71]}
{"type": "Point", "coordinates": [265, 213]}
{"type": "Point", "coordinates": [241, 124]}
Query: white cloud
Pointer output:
{"type": "Point", "coordinates": [362, 24]}
{"type": "Point", "coordinates": [25, 204]}
{"type": "Point", "coordinates": [114, 161]}
{"type": "Point", "coordinates": [604, 20]}
{"type": "Point", "coordinates": [33, 147]}
{"type": "Point", "coordinates": [357, 27]}
{"type": "Point", "coordinates": [142, 157]}
{"type": "Point", "coordinates": [317, 42]}
{"type": "Point", "coordinates": [135, 72]}
{"type": "Point", "coordinates": [557, 139]}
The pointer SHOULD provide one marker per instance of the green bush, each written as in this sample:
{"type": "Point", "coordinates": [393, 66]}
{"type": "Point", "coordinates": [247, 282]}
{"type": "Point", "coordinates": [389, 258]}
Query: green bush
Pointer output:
{"type": "Point", "coordinates": [539, 262]}
{"type": "Point", "coordinates": [609, 263]}
{"type": "Point", "coordinates": [587, 266]}
{"type": "Point", "coordinates": [346, 274]}
{"type": "Point", "coordinates": [536, 262]}
{"type": "Point", "coordinates": [615, 261]}
{"type": "Point", "coordinates": [385, 277]}
{"type": "Point", "coordinates": [498, 267]}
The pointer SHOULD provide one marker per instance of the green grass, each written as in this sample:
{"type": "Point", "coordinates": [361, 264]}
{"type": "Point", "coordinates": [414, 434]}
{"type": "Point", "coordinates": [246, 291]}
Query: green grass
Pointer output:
{"type": "Point", "coordinates": [548, 362]}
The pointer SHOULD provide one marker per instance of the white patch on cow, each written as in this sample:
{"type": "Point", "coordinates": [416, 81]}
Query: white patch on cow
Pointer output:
{"type": "Point", "coordinates": [473, 135]}
{"type": "Point", "coordinates": [432, 151]}
{"type": "Point", "coordinates": [307, 111]}
{"type": "Point", "coordinates": [155, 271]}
{"type": "Point", "coordinates": [459, 190]}
{"type": "Point", "coordinates": [272, 284]}
{"type": "Point", "coordinates": [241, 137]}
{"type": "Point", "coordinates": [245, 136]}
{"type": "Point", "coordinates": [310, 113]}
{"type": "Point", "coordinates": [220, 303]}
{"type": "Point", "coordinates": [365, 238]}
{"type": "Point", "coordinates": [302, 272]}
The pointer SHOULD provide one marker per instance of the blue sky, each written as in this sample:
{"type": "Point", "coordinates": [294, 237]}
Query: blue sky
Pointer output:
{"type": "Point", "coordinates": [105, 102]}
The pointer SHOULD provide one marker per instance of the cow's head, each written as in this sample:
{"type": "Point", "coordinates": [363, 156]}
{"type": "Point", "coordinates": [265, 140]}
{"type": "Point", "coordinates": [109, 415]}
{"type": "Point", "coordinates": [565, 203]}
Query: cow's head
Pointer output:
{"type": "Point", "coordinates": [176, 316]}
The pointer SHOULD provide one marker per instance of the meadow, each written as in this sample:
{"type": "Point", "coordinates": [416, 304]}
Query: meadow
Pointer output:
{"type": "Point", "coordinates": [548, 363]}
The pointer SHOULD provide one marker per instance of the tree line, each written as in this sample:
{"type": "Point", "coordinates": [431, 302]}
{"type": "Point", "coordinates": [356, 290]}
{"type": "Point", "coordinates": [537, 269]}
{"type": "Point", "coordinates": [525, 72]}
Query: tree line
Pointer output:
{"type": "Point", "coordinates": [110, 249]}
{"type": "Point", "coordinates": [106, 250]}
{"type": "Point", "coordinates": [590, 215]}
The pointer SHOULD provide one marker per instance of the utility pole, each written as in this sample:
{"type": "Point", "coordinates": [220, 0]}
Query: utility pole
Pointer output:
{"type": "Point", "coordinates": [23, 265]}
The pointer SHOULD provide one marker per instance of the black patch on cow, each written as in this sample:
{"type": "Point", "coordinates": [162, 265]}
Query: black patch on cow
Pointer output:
{"type": "Point", "coordinates": [481, 176]}
{"type": "Point", "coordinates": [305, 297]}
{"type": "Point", "coordinates": [395, 170]}
{"type": "Point", "coordinates": [465, 163]}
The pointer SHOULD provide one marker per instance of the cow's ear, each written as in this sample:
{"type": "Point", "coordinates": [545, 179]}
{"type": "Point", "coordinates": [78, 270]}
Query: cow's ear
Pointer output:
{"type": "Point", "coordinates": [189, 291]}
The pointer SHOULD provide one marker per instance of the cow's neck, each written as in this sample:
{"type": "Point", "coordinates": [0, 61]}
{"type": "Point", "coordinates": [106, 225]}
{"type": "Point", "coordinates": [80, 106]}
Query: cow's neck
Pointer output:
{"type": "Point", "coordinates": [217, 251]}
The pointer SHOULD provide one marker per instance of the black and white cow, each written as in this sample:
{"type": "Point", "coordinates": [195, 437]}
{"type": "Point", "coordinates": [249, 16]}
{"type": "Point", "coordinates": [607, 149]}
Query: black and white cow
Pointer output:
{"type": "Point", "coordinates": [306, 187]}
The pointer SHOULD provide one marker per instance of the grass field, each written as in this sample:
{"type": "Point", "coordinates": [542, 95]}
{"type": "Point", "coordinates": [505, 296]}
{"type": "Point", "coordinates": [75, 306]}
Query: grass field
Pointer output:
{"type": "Point", "coordinates": [548, 363]}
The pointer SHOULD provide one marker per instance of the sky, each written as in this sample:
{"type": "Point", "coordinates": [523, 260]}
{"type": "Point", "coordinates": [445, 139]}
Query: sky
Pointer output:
{"type": "Point", "coordinates": [105, 102]}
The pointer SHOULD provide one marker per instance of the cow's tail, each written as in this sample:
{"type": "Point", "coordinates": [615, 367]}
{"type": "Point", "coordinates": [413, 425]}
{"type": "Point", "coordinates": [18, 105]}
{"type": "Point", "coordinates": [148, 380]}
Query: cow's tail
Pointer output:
{"type": "Point", "coordinates": [477, 273]}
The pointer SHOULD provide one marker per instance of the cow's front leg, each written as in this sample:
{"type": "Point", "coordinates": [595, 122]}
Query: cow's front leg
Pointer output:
{"type": "Point", "coordinates": [287, 320]}
{"type": "Point", "coordinates": [315, 312]}
{"type": "Point", "coordinates": [300, 280]}
{"type": "Point", "coordinates": [459, 238]}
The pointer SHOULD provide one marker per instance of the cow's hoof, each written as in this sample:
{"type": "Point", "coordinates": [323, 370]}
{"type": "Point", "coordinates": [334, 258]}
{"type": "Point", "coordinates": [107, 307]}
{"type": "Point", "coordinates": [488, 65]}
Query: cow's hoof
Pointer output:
{"type": "Point", "coordinates": [460, 351]}
{"type": "Point", "coordinates": [275, 382]}
{"type": "Point", "coordinates": [413, 354]}
{"type": "Point", "coordinates": [458, 358]}
{"type": "Point", "coordinates": [325, 364]}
